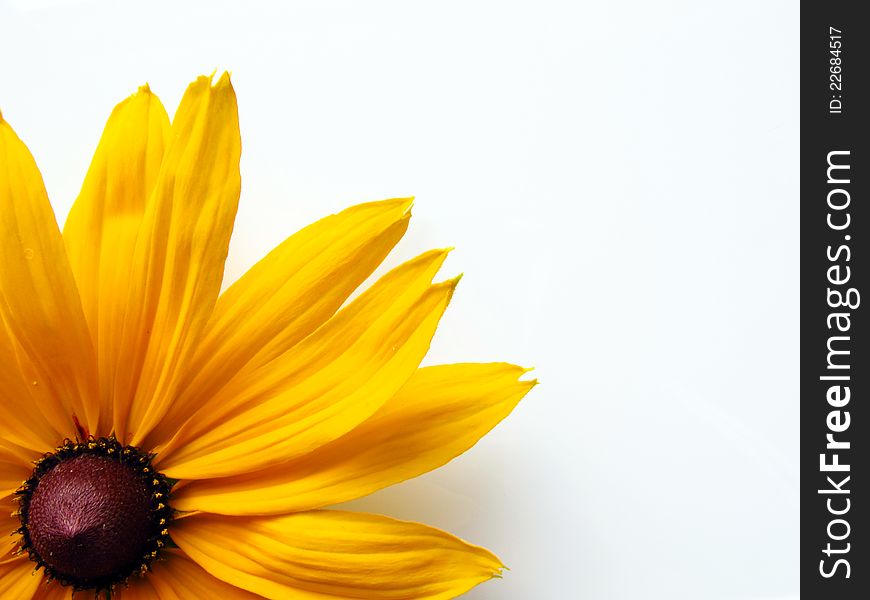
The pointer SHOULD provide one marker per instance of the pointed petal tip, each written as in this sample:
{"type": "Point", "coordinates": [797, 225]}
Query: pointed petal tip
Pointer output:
{"type": "Point", "coordinates": [209, 80]}
{"type": "Point", "coordinates": [223, 81]}
{"type": "Point", "coordinates": [435, 257]}
{"type": "Point", "coordinates": [402, 205]}
{"type": "Point", "coordinates": [451, 283]}
{"type": "Point", "coordinates": [496, 564]}
{"type": "Point", "coordinates": [202, 81]}
{"type": "Point", "coordinates": [440, 255]}
{"type": "Point", "coordinates": [445, 251]}
{"type": "Point", "coordinates": [223, 88]}
{"type": "Point", "coordinates": [532, 382]}
{"type": "Point", "coordinates": [143, 95]}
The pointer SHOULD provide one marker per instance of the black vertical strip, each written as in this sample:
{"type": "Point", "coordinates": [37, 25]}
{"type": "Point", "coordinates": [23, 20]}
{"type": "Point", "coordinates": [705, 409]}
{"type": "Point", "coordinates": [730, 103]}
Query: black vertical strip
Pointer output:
{"type": "Point", "coordinates": [835, 225]}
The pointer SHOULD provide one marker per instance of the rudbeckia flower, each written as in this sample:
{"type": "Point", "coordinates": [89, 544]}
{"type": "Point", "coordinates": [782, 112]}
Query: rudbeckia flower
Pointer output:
{"type": "Point", "coordinates": [162, 440]}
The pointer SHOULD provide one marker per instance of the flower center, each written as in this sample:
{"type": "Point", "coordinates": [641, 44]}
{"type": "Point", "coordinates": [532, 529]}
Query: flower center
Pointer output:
{"type": "Point", "coordinates": [93, 513]}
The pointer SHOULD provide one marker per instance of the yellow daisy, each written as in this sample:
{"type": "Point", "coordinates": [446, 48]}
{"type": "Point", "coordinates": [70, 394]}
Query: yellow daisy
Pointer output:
{"type": "Point", "coordinates": [174, 442]}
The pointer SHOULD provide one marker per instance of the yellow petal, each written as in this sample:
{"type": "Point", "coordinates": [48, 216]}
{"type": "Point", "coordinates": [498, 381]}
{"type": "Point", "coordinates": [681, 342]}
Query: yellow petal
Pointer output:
{"type": "Point", "coordinates": [179, 257]}
{"type": "Point", "coordinates": [285, 297]}
{"type": "Point", "coordinates": [322, 387]}
{"type": "Point", "coordinates": [53, 591]}
{"type": "Point", "coordinates": [176, 577]}
{"type": "Point", "coordinates": [101, 230]}
{"type": "Point", "coordinates": [23, 422]}
{"type": "Point", "coordinates": [39, 301]}
{"type": "Point", "coordinates": [17, 579]}
{"type": "Point", "coordinates": [439, 414]}
{"type": "Point", "coordinates": [9, 523]}
{"type": "Point", "coordinates": [14, 468]}
{"type": "Point", "coordinates": [332, 554]}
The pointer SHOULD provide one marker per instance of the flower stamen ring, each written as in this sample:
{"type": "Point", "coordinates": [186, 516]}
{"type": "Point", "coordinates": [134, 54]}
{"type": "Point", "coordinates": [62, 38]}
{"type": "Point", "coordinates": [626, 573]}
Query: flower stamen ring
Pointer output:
{"type": "Point", "coordinates": [93, 513]}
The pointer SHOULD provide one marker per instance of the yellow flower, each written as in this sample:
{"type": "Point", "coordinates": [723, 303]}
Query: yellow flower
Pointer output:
{"type": "Point", "coordinates": [178, 443]}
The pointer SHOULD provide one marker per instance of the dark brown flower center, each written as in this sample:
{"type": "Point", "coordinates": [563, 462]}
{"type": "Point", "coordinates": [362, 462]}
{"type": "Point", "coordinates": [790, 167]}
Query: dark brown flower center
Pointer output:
{"type": "Point", "coordinates": [94, 513]}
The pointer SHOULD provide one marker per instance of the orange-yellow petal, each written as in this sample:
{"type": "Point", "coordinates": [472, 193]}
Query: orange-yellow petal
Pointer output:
{"type": "Point", "coordinates": [321, 388]}
{"type": "Point", "coordinates": [8, 523]}
{"type": "Point", "coordinates": [332, 554]}
{"type": "Point", "coordinates": [52, 590]}
{"type": "Point", "coordinates": [179, 257]}
{"type": "Point", "coordinates": [17, 579]}
{"type": "Point", "coordinates": [23, 422]}
{"type": "Point", "coordinates": [285, 297]}
{"type": "Point", "coordinates": [103, 224]}
{"type": "Point", "coordinates": [176, 577]}
{"type": "Point", "coordinates": [439, 414]}
{"type": "Point", "coordinates": [14, 468]}
{"type": "Point", "coordinates": [39, 301]}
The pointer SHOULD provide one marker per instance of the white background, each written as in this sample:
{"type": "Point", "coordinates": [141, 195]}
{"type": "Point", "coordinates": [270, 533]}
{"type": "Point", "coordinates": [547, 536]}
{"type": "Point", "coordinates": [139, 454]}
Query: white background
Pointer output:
{"type": "Point", "coordinates": [620, 181]}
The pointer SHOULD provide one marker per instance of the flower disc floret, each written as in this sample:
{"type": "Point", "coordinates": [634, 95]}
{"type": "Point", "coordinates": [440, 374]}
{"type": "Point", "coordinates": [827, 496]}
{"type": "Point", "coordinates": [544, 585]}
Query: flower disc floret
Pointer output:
{"type": "Point", "coordinates": [93, 513]}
